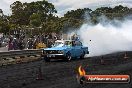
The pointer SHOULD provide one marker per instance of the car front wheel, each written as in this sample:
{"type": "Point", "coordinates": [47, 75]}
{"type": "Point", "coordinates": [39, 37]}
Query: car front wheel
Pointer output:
{"type": "Point", "coordinates": [68, 57]}
{"type": "Point", "coordinates": [47, 59]}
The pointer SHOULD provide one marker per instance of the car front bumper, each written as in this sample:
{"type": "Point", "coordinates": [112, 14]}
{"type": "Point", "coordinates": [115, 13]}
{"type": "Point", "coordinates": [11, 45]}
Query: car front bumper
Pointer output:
{"type": "Point", "coordinates": [55, 56]}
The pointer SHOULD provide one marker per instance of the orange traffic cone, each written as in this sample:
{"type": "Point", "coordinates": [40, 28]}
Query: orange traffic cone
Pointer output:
{"type": "Point", "coordinates": [39, 74]}
{"type": "Point", "coordinates": [125, 56]}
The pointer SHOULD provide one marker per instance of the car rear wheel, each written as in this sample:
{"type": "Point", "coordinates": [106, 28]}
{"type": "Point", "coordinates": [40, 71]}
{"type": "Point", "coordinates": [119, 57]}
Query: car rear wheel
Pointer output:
{"type": "Point", "coordinates": [68, 57]}
{"type": "Point", "coordinates": [82, 55]}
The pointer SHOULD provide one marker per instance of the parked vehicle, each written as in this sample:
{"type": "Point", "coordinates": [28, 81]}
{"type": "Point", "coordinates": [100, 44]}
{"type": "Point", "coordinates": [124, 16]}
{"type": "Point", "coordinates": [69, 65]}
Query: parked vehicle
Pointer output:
{"type": "Point", "coordinates": [66, 50]}
{"type": "Point", "coordinates": [40, 45]}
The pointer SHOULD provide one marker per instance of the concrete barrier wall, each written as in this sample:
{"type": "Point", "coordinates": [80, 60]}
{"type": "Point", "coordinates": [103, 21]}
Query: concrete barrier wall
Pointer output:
{"type": "Point", "coordinates": [13, 54]}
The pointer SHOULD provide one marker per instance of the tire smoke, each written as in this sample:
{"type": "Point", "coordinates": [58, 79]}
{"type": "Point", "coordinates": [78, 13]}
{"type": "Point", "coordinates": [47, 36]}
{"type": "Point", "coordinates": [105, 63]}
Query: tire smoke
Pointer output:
{"type": "Point", "coordinates": [107, 37]}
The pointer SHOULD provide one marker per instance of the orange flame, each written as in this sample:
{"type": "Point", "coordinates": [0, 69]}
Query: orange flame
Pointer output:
{"type": "Point", "coordinates": [81, 71]}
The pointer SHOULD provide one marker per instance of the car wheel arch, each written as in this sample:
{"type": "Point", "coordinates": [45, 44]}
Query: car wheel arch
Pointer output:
{"type": "Point", "coordinates": [68, 56]}
{"type": "Point", "coordinates": [82, 54]}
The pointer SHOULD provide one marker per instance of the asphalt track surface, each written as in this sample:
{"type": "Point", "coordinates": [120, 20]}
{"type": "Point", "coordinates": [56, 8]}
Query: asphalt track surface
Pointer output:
{"type": "Point", "coordinates": [61, 74]}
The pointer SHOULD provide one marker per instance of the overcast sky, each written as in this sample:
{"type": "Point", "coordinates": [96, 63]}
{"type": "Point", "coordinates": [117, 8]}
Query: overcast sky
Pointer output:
{"type": "Point", "coordinates": [63, 6]}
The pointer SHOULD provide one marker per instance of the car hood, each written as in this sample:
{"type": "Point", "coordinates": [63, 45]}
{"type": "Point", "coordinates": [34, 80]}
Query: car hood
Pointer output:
{"type": "Point", "coordinates": [56, 48]}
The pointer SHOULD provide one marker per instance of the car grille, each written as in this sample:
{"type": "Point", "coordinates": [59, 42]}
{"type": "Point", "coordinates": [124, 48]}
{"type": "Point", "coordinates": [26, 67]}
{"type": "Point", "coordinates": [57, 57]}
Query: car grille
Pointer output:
{"type": "Point", "coordinates": [52, 52]}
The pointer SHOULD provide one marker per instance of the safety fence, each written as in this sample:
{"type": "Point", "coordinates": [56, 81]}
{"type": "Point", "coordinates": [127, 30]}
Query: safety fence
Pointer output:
{"type": "Point", "coordinates": [19, 56]}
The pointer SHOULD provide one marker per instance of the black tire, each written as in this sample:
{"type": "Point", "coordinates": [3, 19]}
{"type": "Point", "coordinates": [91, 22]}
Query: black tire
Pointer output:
{"type": "Point", "coordinates": [82, 55]}
{"type": "Point", "coordinates": [46, 59]}
{"type": "Point", "coordinates": [68, 57]}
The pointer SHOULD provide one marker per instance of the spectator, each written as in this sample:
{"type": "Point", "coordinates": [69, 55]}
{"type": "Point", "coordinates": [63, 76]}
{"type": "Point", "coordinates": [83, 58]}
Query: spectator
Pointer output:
{"type": "Point", "coordinates": [10, 44]}
{"type": "Point", "coordinates": [15, 44]}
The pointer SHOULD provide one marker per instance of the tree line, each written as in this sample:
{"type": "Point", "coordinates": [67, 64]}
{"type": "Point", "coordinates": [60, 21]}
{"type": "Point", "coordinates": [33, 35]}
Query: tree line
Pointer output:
{"type": "Point", "coordinates": [40, 17]}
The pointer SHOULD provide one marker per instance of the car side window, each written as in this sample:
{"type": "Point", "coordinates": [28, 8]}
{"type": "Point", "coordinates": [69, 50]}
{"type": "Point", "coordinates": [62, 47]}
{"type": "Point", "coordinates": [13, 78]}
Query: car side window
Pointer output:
{"type": "Point", "coordinates": [73, 43]}
{"type": "Point", "coordinates": [69, 43]}
{"type": "Point", "coordinates": [66, 43]}
{"type": "Point", "coordinates": [78, 43]}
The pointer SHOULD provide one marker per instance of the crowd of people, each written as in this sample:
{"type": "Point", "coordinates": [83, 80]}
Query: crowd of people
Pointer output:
{"type": "Point", "coordinates": [20, 42]}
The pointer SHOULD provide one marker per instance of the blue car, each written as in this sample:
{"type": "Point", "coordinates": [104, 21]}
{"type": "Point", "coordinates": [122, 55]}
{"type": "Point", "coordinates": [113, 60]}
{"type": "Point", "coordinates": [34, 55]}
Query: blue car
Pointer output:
{"type": "Point", "coordinates": [66, 50]}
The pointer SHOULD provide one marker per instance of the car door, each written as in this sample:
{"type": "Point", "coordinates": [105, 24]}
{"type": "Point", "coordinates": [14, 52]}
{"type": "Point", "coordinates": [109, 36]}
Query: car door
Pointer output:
{"type": "Point", "coordinates": [78, 49]}
{"type": "Point", "coordinates": [73, 49]}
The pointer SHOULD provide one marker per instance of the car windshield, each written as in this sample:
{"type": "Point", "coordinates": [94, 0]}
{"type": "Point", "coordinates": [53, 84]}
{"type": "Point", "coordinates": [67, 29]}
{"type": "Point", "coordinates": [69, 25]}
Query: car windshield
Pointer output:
{"type": "Point", "coordinates": [68, 43]}
{"type": "Point", "coordinates": [58, 44]}
{"type": "Point", "coordinates": [61, 44]}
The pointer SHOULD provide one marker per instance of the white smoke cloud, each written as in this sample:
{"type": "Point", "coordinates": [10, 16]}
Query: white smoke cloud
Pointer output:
{"type": "Point", "coordinates": [107, 38]}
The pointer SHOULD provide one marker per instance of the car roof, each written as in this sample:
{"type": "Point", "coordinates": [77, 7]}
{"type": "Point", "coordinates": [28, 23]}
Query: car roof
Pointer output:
{"type": "Point", "coordinates": [63, 40]}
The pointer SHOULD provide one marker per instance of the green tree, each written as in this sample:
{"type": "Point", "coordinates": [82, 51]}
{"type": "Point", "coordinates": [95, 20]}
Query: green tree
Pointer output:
{"type": "Point", "coordinates": [4, 26]}
{"type": "Point", "coordinates": [77, 14]}
{"type": "Point", "coordinates": [18, 15]}
{"type": "Point", "coordinates": [21, 12]}
{"type": "Point", "coordinates": [35, 20]}
{"type": "Point", "coordinates": [32, 14]}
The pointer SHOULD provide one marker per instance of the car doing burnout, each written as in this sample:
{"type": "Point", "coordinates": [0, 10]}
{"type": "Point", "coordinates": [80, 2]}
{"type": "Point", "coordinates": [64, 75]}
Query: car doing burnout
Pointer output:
{"type": "Point", "coordinates": [65, 49]}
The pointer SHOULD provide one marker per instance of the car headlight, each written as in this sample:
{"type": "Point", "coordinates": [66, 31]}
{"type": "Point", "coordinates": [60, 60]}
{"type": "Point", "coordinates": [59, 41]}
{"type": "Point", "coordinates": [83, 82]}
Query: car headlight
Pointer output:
{"type": "Point", "coordinates": [60, 51]}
